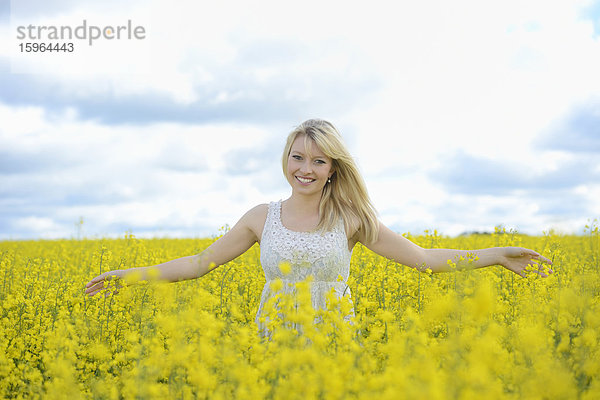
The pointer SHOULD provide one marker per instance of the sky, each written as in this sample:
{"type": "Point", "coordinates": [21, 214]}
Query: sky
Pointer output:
{"type": "Point", "coordinates": [461, 115]}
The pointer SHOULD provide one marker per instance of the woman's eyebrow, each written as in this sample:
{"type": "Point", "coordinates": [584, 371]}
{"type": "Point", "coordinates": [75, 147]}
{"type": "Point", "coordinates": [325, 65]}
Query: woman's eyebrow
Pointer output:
{"type": "Point", "coordinates": [301, 153]}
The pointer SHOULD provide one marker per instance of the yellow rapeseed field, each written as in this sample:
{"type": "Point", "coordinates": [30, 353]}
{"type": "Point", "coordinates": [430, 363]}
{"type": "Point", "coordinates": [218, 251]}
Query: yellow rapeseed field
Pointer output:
{"type": "Point", "coordinates": [485, 333]}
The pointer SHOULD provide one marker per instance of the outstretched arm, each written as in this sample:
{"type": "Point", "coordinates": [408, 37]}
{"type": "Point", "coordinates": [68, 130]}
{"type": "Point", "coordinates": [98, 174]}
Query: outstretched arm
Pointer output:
{"type": "Point", "coordinates": [231, 245]}
{"type": "Point", "coordinates": [396, 247]}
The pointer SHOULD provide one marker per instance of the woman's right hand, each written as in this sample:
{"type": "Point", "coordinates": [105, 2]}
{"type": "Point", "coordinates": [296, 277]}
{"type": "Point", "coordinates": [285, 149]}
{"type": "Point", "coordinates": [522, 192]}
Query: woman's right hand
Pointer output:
{"type": "Point", "coordinates": [98, 283]}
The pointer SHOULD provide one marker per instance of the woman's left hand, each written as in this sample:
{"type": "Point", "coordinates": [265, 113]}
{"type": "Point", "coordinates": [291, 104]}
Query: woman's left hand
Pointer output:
{"type": "Point", "coordinates": [517, 259]}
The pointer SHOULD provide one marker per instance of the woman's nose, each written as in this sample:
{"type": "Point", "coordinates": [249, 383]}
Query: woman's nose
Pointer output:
{"type": "Point", "coordinates": [306, 167]}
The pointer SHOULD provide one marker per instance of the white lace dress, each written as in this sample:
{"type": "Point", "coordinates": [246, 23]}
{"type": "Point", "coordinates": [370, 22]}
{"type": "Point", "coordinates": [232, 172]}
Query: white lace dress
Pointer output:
{"type": "Point", "coordinates": [325, 256]}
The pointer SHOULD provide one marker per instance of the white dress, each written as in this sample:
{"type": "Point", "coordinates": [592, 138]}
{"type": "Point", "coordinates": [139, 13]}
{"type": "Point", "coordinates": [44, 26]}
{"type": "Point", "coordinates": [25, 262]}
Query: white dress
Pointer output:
{"type": "Point", "coordinates": [325, 256]}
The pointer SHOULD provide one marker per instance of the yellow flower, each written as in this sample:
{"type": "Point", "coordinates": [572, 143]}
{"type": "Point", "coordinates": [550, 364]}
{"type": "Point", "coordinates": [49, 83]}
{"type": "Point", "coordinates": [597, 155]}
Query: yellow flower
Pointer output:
{"type": "Point", "coordinates": [276, 285]}
{"type": "Point", "coordinates": [510, 337]}
{"type": "Point", "coordinates": [153, 274]}
{"type": "Point", "coordinates": [285, 267]}
{"type": "Point", "coordinates": [133, 276]}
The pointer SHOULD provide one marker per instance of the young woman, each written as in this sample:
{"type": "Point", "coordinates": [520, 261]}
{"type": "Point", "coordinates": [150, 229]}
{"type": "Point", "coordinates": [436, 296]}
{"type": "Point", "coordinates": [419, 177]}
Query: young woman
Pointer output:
{"type": "Point", "coordinates": [316, 228]}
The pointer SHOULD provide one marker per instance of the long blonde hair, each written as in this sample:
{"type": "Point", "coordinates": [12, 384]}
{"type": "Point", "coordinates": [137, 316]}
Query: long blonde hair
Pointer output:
{"type": "Point", "coordinates": [346, 195]}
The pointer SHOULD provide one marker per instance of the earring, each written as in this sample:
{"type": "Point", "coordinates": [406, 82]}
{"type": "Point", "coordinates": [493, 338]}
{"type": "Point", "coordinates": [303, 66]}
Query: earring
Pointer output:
{"type": "Point", "coordinates": [329, 180]}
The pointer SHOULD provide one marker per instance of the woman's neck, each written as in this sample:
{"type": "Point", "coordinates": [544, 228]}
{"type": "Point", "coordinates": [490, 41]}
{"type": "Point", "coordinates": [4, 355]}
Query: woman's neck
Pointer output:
{"type": "Point", "coordinates": [303, 205]}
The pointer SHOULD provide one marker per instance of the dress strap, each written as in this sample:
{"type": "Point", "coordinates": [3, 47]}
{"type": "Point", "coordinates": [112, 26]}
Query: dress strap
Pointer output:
{"type": "Point", "coordinates": [276, 210]}
{"type": "Point", "coordinates": [272, 218]}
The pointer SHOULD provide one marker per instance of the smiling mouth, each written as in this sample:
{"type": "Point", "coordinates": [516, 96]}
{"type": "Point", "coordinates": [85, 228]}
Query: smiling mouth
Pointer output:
{"type": "Point", "coordinates": [305, 180]}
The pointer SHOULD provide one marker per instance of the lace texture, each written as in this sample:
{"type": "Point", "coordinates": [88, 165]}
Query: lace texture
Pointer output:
{"type": "Point", "coordinates": [325, 256]}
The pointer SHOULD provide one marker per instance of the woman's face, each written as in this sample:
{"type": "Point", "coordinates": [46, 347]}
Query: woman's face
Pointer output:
{"type": "Point", "coordinates": [308, 173]}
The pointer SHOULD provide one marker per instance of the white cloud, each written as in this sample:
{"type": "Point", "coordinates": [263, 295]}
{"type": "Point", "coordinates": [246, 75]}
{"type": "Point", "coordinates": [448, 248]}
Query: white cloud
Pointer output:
{"type": "Point", "coordinates": [122, 176]}
{"type": "Point", "coordinates": [42, 227]}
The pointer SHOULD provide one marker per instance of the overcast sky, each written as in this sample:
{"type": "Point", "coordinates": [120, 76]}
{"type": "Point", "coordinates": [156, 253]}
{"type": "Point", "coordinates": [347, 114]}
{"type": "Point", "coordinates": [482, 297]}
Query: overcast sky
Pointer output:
{"type": "Point", "coordinates": [461, 115]}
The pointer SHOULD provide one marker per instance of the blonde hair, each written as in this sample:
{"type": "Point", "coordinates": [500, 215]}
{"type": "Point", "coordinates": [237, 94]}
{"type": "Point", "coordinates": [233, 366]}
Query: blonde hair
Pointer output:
{"type": "Point", "coordinates": [346, 195]}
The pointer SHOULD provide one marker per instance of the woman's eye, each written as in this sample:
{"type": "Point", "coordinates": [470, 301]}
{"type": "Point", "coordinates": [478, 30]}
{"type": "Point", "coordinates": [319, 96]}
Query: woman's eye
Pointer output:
{"type": "Point", "coordinates": [297, 157]}
{"type": "Point", "coordinates": [320, 162]}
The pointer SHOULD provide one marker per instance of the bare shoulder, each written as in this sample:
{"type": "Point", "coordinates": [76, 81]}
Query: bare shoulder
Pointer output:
{"type": "Point", "coordinates": [258, 212]}
{"type": "Point", "coordinates": [255, 219]}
